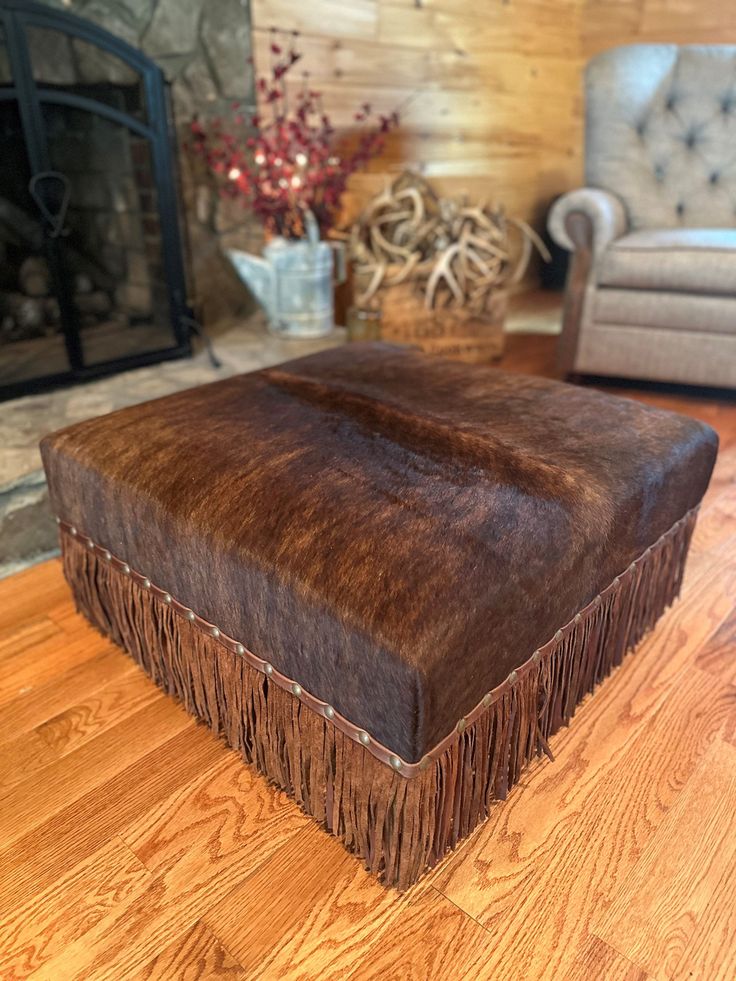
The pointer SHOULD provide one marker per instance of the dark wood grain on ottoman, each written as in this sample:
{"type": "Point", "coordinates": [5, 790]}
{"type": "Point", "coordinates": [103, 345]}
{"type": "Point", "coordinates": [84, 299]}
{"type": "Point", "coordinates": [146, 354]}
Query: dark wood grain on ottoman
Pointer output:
{"type": "Point", "coordinates": [416, 562]}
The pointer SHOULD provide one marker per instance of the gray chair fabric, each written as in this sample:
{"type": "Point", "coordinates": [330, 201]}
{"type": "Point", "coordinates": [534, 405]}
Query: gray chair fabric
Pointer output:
{"type": "Point", "coordinates": [657, 221]}
{"type": "Point", "coordinates": [690, 260]}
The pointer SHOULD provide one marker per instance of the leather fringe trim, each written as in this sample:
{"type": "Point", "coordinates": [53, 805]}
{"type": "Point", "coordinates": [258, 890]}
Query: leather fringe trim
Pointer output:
{"type": "Point", "coordinates": [399, 827]}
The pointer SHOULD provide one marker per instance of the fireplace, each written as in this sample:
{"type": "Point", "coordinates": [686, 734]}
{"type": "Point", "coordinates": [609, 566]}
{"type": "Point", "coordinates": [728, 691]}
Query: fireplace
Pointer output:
{"type": "Point", "coordinates": [91, 264]}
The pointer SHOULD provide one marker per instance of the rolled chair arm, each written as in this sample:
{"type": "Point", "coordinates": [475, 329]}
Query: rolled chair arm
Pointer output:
{"type": "Point", "coordinates": [587, 218]}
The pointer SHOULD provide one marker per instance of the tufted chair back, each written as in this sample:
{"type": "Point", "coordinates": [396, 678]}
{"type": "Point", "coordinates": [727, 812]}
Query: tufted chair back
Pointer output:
{"type": "Point", "coordinates": [661, 133]}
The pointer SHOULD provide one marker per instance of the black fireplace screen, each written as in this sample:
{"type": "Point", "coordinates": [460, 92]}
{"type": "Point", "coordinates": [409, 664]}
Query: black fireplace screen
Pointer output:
{"type": "Point", "coordinates": [91, 268]}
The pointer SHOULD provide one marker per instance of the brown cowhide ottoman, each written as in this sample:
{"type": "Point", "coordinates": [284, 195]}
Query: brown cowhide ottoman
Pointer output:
{"type": "Point", "coordinates": [384, 578]}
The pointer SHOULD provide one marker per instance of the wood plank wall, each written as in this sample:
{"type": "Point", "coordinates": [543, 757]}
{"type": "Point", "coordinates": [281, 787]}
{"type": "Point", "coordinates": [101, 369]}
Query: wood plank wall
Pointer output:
{"type": "Point", "coordinates": [610, 22]}
{"type": "Point", "coordinates": [488, 92]}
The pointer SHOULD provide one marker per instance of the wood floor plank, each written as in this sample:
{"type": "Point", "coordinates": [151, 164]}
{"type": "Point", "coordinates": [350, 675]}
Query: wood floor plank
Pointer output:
{"type": "Point", "coordinates": [72, 728]}
{"type": "Point", "coordinates": [98, 712]}
{"type": "Point", "coordinates": [42, 587]}
{"type": "Point", "coordinates": [658, 905]}
{"type": "Point", "coordinates": [46, 661]}
{"type": "Point", "coordinates": [428, 940]}
{"type": "Point", "coordinates": [18, 638]}
{"type": "Point", "coordinates": [706, 602]}
{"type": "Point", "coordinates": [596, 959]}
{"type": "Point", "coordinates": [228, 815]}
{"type": "Point", "coordinates": [21, 757]}
{"type": "Point", "coordinates": [711, 950]}
{"type": "Point", "coordinates": [310, 911]}
{"type": "Point", "coordinates": [197, 956]}
{"type": "Point", "coordinates": [718, 654]}
{"type": "Point", "coordinates": [36, 799]}
{"type": "Point", "coordinates": [41, 702]}
{"type": "Point", "coordinates": [49, 851]}
{"type": "Point", "coordinates": [593, 809]}
{"type": "Point", "coordinates": [40, 928]}
{"type": "Point", "coordinates": [203, 844]}
{"type": "Point", "coordinates": [716, 521]}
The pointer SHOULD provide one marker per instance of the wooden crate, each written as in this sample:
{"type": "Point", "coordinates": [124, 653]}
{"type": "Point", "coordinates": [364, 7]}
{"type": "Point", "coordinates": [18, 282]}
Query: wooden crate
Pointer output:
{"type": "Point", "coordinates": [452, 332]}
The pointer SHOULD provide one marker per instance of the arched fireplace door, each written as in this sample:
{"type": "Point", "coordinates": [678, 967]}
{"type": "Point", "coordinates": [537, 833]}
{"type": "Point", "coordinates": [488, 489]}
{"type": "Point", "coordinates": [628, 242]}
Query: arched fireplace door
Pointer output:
{"type": "Point", "coordinates": [91, 266]}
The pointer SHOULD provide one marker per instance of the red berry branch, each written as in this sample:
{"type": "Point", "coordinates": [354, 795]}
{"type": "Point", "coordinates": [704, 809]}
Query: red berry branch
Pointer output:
{"type": "Point", "coordinates": [286, 158]}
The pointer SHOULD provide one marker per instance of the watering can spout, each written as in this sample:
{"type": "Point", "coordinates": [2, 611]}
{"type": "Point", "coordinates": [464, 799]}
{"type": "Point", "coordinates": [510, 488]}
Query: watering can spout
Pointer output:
{"type": "Point", "coordinates": [259, 275]}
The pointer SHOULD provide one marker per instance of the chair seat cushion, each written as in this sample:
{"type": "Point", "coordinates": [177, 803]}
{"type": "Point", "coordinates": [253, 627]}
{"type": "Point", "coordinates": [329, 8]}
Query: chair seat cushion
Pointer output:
{"type": "Point", "coordinates": [690, 260]}
{"type": "Point", "coordinates": [714, 314]}
{"type": "Point", "coordinates": [395, 531]}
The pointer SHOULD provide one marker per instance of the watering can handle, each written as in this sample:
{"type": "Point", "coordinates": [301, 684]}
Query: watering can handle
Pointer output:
{"type": "Point", "coordinates": [311, 227]}
{"type": "Point", "coordinates": [312, 230]}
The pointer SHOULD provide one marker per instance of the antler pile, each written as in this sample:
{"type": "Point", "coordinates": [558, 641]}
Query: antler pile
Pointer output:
{"type": "Point", "coordinates": [459, 254]}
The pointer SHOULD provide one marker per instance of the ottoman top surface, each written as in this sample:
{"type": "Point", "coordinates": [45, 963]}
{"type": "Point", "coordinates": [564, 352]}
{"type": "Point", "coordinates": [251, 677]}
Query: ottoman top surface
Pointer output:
{"type": "Point", "coordinates": [395, 531]}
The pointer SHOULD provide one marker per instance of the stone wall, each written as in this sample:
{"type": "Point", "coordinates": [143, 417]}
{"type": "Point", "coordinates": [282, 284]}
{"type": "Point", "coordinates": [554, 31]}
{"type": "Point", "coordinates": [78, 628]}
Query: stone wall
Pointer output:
{"type": "Point", "coordinates": [203, 47]}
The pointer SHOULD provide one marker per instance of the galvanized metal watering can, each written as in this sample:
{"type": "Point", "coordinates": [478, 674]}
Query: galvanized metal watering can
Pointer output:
{"type": "Point", "coordinates": [294, 281]}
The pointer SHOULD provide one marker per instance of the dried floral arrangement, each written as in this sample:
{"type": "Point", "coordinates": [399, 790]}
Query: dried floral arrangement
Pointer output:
{"type": "Point", "coordinates": [287, 158]}
{"type": "Point", "coordinates": [457, 254]}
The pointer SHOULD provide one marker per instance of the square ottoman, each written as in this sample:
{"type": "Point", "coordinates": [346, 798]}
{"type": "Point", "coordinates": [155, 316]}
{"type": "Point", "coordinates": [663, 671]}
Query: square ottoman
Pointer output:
{"type": "Point", "coordinates": [384, 578]}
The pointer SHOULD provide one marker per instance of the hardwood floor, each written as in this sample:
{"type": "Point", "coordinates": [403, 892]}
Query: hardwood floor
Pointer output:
{"type": "Point", "coordinates": [134, 845]}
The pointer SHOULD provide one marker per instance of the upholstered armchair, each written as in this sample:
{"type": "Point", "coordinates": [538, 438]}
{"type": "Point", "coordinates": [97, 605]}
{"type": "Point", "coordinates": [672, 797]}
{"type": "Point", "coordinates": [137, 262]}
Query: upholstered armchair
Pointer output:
{"type": "Point", "coordinates": [651, 291]}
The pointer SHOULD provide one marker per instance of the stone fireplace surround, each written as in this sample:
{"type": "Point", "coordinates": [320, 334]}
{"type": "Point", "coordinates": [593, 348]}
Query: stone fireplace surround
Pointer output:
{"type": "Point", "coordinates": [203, 48]}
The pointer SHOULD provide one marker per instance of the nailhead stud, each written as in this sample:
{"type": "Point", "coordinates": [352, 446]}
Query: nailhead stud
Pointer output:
{"type": "Point", "coordinates": [215, 631]}
{"type": "Point", "coordinates": [329, 712]}
{"type": "Point", "coordinates": [462, 725]}
{"type": "Point", "coordinates": [535, 657]}
{"type": "Point", "coordinates": [268, 669]}
{"type": "Point", "coordinates": [513, 678]}
{"type": "Point", "coordinates": [57, 519]}
{"type": "Point", "coordinates": [73, 531]}
{"type": "Point", "coordinates": [126, 569]}
{"type": "Point", "coordinates": [558, 636]}
{"type": "Point", "coordinates": [425, 762]}
{"type": "Point", "coordinates": [90, 543]}
{"type": "Point", "coordinates": [578, 618]}
{"type": "Point", "coordinates": [167, 597]}
{"type": "Point", "coordinates": [487, 700]}
{"type": "Point", "coordinates": [239, 649]}
{"type": "Point", "coordinates": [190, 615]}
{"type": "Point", "coordinates": [297, 689]}
{"type": "Point", "coordinates": [146, 583]}
{"type": "Point", "coordinates": [395, 762]}
{"type": "Point", "coordinates": [364, 738]}
{"type": "Point", "coordinates": [108, 555]}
